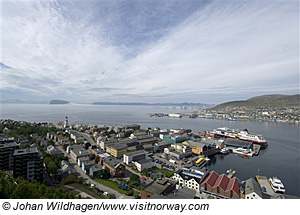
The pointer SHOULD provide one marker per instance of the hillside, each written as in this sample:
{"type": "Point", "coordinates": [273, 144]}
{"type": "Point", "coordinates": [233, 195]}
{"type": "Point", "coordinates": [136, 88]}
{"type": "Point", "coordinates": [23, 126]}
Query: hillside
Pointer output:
{"type": "Point", "coordinates": [274, 100]}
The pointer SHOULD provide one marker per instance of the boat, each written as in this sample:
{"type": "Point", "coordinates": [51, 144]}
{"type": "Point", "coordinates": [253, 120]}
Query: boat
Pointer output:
{"type": "Point", "coordinates": [207, 159]}
{"type": "Point", "coordinates": [224, 151]}
{"type": "Point", "coordinates": [255, 138]}
{"type": "Point", "coordinates": [276, 185]}
{"type": "Point", "coordinates": [223, 132]}
{"type": "Point", "coordinates": [231, 119]}
{"type": "Point", "coordinates": [199, 160]}
{"type": "Point", "coordinates": [243, 151]}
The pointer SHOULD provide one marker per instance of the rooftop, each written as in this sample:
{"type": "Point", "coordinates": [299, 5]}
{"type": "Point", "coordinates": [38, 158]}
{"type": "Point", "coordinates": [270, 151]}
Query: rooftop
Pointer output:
{"type": "Point", "coordinates": [25, 151]}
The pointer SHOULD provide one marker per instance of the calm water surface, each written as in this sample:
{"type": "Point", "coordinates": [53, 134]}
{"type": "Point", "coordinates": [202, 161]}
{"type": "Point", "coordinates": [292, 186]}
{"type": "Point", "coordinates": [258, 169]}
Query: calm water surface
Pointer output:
{"type": "Point", "coordinates": [281, 158]}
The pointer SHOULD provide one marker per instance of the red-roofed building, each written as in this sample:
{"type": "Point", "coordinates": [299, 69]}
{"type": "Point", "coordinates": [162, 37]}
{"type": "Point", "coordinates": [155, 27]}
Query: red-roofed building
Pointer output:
{"type": "Point", "coordinates": [220, 185]}
{"type": "Point", "coordinates": [209, 181]}
{"type": "Point", "coordinates": [233, 190]}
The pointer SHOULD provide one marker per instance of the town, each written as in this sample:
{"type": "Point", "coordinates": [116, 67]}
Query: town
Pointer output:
{"type": "Point", "coordinates": [126, 162]}
{"type": "Point", "coordinates": [282, 115]}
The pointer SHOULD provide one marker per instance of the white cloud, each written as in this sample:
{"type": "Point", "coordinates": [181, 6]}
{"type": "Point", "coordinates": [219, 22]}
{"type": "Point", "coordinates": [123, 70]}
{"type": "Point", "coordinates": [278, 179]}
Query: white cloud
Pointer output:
{"type": "Point", "coordinates": [55, 50]}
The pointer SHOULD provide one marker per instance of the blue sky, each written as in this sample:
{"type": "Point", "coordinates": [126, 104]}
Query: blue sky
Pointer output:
{"type": "Point", "coordinates": [149, 51]}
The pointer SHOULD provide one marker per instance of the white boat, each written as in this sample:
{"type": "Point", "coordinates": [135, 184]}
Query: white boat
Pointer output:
{"type": "Point", "coordinates": [255, 138]}
{"type": "Point", "coordinates": [242, 151]}
{"type": "Point", "coordinates": [277, 185]}
{"type": "Point", "coordinates": [224, 151]}
{"type": "Point", "coordinates": [207, 159]}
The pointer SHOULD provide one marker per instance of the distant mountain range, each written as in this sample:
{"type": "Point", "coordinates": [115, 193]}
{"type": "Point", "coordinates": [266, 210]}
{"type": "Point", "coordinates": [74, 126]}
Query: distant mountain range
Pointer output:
{"type": "Point", "coordinates": [274, 100]}
{"type": "Point", "coordinates": [58, 102]}
{"type": "Point", "coordinates": [152, 104]}
{"type": "Point", "coordinates": [18, 101]}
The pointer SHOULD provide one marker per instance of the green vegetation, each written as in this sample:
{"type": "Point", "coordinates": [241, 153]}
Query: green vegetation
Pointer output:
{"type": "Point", "coordinates": [22, 189]}
{"type": "Point", "coordinates": [87, 190]}
{"type": "Point", "coordinates": [264, 101]}
{"type": "Point", "coordinates": [97, 159]}
{"type": "Point", "coordinates": [53, 162]}
{"type": "Point", "coordinates": [167, 173]}
{"type": "Point", "coordinates": [116, 186]}
{"type": "Point", "coordinates": [112, 196]}
{"type": "Point", "coordinates": [26, 130]}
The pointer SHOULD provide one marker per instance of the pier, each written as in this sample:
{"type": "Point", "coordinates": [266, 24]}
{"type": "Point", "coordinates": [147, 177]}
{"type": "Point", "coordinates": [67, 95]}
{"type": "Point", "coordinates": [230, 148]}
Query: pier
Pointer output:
{"type": "Point", "coordinates": [256, 149]}
{"type": "Point", "coordinates": [230, 173]}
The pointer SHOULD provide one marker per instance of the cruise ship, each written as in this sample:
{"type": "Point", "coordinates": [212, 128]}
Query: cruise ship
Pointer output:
{"type": "Point", "coordinates": [255, 138]}
{"type": "Point", "coordinates": [242, 135]}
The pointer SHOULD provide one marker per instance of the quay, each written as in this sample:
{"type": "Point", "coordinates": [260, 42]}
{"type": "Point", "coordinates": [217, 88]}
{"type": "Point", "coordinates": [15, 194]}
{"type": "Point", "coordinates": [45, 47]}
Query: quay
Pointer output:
{"type": "Point", "coordinates": [230, 173]}
{"type": "Point", "coordinates": [265, 185]}
{"type": "Point", "coordinates": [256, 149]}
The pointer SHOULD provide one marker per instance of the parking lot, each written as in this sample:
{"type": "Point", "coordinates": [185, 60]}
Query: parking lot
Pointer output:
{"type": "Point", "coordinates": [162, 161]}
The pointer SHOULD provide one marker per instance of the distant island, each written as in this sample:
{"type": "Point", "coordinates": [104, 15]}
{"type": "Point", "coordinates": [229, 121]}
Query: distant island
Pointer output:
{"type": "Point", "coordinates": [58, 102]}
{"type": "Point", "coordinates": [152, 104]}
{"type": "Point", "coordinates": [267, 101]}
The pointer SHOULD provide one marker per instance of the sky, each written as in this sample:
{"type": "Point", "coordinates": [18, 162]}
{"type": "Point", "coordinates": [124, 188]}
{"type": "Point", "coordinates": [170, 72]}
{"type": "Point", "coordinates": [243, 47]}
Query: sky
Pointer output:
{"type": "Point", "coordinates": [148, 51]}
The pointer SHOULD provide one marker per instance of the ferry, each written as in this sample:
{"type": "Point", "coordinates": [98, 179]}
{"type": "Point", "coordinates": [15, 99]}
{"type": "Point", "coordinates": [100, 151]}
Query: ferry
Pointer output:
{"type": "Point", "coordinates": [255, 138]}
{"type": "Point", "coordinates": [223, 132]}
{"type": "Point", "coordinates": [243, 151]}
{"type": "Point", "coordinates": [224, 151]}
{"type": "Point", "coordinates": [276, 185]}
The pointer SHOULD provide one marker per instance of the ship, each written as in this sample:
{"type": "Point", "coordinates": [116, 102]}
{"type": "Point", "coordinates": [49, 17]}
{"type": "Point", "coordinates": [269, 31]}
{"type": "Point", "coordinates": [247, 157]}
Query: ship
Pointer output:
{"type": "Point", "coordinates": [242, 135]}
{"type": "Point", "coordinates": [243, 151]}
{"type": "Point", "coordinates": [255, 138]}
{"type": "Point", "coordinates": [276, 185]}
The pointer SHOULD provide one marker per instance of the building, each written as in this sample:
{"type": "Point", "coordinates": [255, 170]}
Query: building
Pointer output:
{"type": "Point", "coordinates": [221, 186]}
{"type": "Point", "coordinates": [115, 166]}
{"type": "Point", "coordinates": [134, 156]}
{"type": "Point", "coordinates": [82, 159]}
{"type": "Point", "coordinates": [67, 172]}
{"type": "Point", "coordinates": [204, 147]}
{"type": "Point", "coordinates": [160, 187]}
{"type": "Point", "coordinates": [102, 156]}
{"type": "Point", "coordinates": [190, 177]}
{"type": "Point", "coordinates": [6, 155]}
{"type": "Point", "coordinates": [118, 150]}
{"type": "Point", "coordinates": [143, 164]}
{"type": "Point", "coordinates": [78, 139]}
{"type": "Point", "coordinates": [134, 127]}
{"type": "Point", "coordinates": [62, 140]}
{"type": "Point", "coordinates": [66, 124]}
{"type": "Point", "coordinates": [105, 143]}
{"type": "Point", "coordinates": [186, 149]}
{"type": "Point", "coordinates": [51, 150]}
{"type": "Point", "coordinates": [174, 138]}
{"type": "Point", "coordinates": [252, 189]}
{"type": "Point", "coordinates": [77, 151]}
{"type": "Point", "coordinates": [96, 171]}
{"type": "Point", "coordinates": [183, 193]}
{"type": "Point", "coordinates": [28, 163]}
{"type": "Point", "coordinates": [86, 165]}
{"type": "Point", "coordinates": [160, 146]}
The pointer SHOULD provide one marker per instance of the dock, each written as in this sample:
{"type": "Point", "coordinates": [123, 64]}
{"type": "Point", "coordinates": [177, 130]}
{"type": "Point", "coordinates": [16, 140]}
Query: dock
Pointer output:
{"type": "Point", "coordinates": [265, 185]}
{"type": "Point", "coordinates": [256, 149]}
{"type": "Point", "coordinates": [230, 173]}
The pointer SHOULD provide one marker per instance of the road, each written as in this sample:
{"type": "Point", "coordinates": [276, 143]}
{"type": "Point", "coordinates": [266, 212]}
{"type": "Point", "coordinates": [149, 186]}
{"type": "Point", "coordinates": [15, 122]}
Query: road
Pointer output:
{"type": "Point", "coordinates": [91, 181]}
{"type": "Point", "coordinates": [85, 136]}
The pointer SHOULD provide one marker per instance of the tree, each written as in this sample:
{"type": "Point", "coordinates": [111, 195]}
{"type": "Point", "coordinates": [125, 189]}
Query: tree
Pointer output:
{"type": "Point", "coordinates": [134, 179]}
{"type": "Point", "coordinates": [52, 168]}
{"type": "Point", "coordinates": [136, 195]}
{"type": "Point", "coordinates": [97, 159]}
{"type": "Point", "coordinates": [111, 196]}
